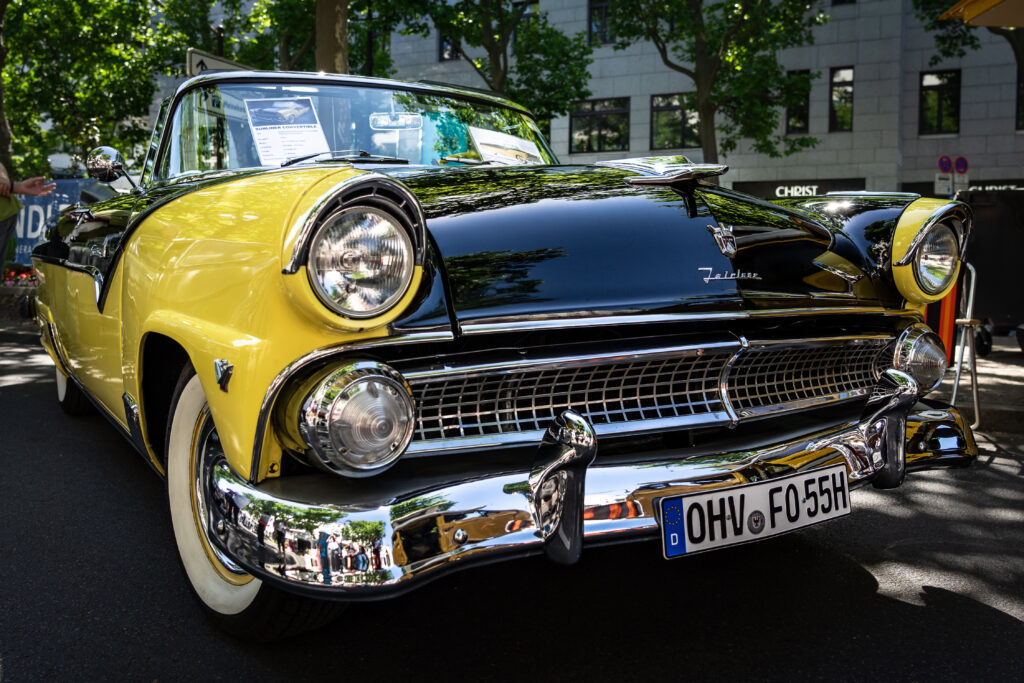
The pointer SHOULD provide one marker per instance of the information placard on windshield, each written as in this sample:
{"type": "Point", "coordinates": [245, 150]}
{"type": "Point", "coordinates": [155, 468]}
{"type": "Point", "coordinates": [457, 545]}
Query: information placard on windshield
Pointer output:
{"type": "Point", "coordinates": [285, 127]}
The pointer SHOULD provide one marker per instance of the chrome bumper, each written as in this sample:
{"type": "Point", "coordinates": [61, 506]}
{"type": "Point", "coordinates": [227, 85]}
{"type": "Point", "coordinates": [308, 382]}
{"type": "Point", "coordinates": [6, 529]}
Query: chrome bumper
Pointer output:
{"type": "Point", "coordinates": [554, 507]}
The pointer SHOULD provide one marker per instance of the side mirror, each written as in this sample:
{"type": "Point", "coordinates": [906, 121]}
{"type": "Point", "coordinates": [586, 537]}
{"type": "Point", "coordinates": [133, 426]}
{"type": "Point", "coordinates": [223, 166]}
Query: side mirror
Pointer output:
{"type": "Point", "coordinates": [105, 164]}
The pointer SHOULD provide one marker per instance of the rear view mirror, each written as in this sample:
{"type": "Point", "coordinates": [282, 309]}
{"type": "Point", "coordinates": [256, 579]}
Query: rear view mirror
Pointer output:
{"type": "Point", "coordinates": [396, 121]}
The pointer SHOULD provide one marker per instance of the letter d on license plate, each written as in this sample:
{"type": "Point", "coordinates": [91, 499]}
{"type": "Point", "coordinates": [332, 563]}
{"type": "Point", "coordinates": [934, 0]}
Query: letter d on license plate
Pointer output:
{"type": "Point", "coordinates": [740, 514]}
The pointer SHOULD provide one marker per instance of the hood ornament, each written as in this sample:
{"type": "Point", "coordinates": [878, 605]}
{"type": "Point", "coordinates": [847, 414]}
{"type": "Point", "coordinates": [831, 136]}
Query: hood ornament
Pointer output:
{"type": "Point", "coordinates": [668, 170]}
{"type": "Point", "coordinates": [724, 238]}
{"type": "Point", "coordinates": [676, 172]}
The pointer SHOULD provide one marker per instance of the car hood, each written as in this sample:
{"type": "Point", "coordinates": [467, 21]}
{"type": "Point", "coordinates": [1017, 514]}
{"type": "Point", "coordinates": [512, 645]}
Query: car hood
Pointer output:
{"type": "Point", "coordinates": [568, 241]}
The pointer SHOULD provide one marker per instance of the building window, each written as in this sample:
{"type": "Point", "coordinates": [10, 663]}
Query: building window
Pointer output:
{"type": "Point", "coordinates": [843, 2]}
{"type": "Point", "coordinates": [447, 49]}
{"type": "Point", "coordinates": [798, 116]}
{"type": "Point", "coordinates": [672, 124]}
{"type": "Point", "coordinates": [600, 126]}
{"type": "Point", "coordinates": [939, 102]}
{"type": "Point", "coordinates": [597, 22]}
{"type": "Point", "coordinates": [840, 108]}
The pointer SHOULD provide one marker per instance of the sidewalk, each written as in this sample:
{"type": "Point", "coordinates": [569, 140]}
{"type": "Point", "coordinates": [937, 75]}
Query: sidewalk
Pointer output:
{"type": "Point", "coordinates": [1000, 388]}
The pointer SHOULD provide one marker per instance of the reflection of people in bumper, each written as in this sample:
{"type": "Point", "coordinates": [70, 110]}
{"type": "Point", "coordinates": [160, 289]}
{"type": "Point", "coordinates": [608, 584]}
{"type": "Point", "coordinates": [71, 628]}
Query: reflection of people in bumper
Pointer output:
{"type": "Point", "coordinates": [325, 563]}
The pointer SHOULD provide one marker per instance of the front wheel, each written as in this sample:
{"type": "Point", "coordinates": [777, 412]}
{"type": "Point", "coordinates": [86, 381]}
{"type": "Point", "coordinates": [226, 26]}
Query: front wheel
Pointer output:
{"type": "Point", "coordinates": [240, 603]}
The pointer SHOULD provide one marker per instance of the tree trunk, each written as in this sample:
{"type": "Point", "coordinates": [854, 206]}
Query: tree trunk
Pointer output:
{"type": "Point", "coordinates": [5, 126]}
{"type": "Point", "coordinates": [332, 36]}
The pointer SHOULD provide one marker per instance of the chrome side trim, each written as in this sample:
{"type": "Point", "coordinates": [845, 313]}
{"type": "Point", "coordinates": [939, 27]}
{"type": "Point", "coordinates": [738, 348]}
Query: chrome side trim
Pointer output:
{"type": "Point", "coordinates": [275, 386]}
{"type": "Point", "coordinates": [58, 349]}
{"type": "Point", "coordinates": [132, 416]}
{"type": "Point", "coordinates": [307, 222]}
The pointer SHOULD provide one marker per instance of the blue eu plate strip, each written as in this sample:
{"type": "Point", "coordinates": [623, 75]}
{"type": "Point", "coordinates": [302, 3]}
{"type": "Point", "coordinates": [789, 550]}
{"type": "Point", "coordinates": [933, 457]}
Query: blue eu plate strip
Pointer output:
{"type": "Point", "coordinates": [674, 530]}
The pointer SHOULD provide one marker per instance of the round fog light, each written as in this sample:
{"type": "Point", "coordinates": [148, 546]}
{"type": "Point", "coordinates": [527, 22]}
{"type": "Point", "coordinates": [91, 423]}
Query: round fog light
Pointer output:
{"type": "Point", "coordinates": [920, 354]}
{"type": "Point", "coordinates": [358, 420]}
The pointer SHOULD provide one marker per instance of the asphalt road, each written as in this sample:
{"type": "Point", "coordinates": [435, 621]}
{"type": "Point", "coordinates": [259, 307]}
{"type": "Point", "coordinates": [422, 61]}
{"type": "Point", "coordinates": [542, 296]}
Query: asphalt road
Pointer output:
{"type": "Point", "coordinates": [923, 583]}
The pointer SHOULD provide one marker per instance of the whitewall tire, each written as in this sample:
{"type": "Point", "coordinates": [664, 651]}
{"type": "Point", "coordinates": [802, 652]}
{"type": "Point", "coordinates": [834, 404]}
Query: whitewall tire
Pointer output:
{"type": "Point", "coordinates": [240, 603]}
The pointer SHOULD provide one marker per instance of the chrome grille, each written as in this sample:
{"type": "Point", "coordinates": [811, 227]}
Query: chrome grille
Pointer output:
{"type": "Point", "coordinates": [769, 379]}
{"type": "Point", "coordinates": [605, 394]}
{"type": "Point", "coordinates": [508, 403]}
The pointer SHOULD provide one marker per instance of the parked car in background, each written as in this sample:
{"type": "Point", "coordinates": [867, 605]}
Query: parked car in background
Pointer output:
{"type": "Point", "coordinates": [392, 337]}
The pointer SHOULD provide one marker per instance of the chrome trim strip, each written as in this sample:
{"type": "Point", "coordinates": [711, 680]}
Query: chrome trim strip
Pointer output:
{"type": "Point", "coordinates": [539, 323]}
{"type": "Point", "coordinates": [801, 404]}
{"type": "Point", "coordinates": [469, 444]}
{"type": "Point", "coordinates": [275, 386]}
{"type": "Point", "coordinates": [510, 367]}
{"type": "Point", "coordinates": [307, 222]}
{"type": "Point", "coordinates": [819, 341]}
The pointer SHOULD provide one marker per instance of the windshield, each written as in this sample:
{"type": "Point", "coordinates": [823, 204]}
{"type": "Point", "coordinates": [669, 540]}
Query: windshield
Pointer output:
{"type": "Point", "coordinates": [245, 125]}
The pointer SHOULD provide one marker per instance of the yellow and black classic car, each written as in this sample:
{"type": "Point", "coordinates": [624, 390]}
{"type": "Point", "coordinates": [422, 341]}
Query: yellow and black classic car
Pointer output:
{"type": "Point", "coordinates": [372, 331]}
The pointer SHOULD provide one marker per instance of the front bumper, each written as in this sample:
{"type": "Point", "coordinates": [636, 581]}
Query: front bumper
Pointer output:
{"type": "Point", "coordinates": [562, 502]}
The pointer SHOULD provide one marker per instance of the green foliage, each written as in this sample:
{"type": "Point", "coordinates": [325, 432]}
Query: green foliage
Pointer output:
{"type": "Point", "coordinates": [953, 38]}
{"type": "Point", "coordinates": [85, 67]}
{"type": "Point", "coordinates": [729, 50]}
{"type": "Point", "coordinates": [281, 34]}
{"type": "Point", "coordinates": [524, 56]}
{"type": "Point", "coordinates": [550, 71]}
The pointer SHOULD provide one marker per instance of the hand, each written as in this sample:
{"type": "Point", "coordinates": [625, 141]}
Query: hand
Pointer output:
{"type": "Point", "coordinates": [34, 186]}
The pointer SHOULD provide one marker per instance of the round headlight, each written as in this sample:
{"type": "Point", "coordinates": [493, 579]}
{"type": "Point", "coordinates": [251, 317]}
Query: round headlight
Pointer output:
{"type": "Point", "coordinates": [936, 259]}
{"type": "Point", "coordinates": [920, 354]}
{"type": "Point", "coordinates": [361, 261]}
{"type": "Point", "coordinates": [358, 420]}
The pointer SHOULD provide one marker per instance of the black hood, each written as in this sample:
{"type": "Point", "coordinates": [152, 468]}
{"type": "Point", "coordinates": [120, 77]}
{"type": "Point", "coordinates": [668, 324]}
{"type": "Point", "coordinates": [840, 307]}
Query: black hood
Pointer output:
{"type": "Point", "coordinates": [548, 242]}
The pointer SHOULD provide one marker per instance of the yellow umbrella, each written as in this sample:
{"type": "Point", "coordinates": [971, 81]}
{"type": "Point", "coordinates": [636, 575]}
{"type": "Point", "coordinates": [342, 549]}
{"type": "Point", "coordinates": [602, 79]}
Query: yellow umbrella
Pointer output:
{"type": "Point", "coordinates": [1005, 13]}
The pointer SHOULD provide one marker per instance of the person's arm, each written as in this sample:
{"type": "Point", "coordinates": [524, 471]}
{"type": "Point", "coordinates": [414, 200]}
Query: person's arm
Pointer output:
{"type": "Point", "coordinates": [34, 186]}
{"type": "Point", "coordinates": [5, 182]}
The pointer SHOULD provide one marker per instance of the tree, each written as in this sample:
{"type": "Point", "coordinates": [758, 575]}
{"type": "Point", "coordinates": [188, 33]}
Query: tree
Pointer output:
{"type": "Point", "coordinates": [282, 34]}
{"type": "Point", "coordinates": [729, 50]}
{"type": "Point", "coordinates": [953, 38]}
{"type": "Point", "coordinates": [84, 68]}
{"type": "Point", "coordinates": [524, 56]}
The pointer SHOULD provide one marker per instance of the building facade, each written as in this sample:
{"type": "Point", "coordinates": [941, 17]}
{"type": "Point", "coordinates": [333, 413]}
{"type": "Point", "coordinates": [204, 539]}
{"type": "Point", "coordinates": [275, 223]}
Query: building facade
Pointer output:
{"type": "Point", "coordinates": [883, 117]}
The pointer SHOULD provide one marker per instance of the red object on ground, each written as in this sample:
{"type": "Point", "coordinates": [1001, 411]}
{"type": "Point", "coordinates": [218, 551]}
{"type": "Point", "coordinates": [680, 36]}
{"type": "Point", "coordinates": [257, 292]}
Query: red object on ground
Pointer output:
{"type": "Point", "coordinates": [947, 321]}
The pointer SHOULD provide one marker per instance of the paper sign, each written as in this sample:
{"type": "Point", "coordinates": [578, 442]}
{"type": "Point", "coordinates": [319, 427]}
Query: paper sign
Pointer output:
{"type": "Point", "coordinates": [285, 127]}
{"type": "Point", "coordinates": [505, 149]}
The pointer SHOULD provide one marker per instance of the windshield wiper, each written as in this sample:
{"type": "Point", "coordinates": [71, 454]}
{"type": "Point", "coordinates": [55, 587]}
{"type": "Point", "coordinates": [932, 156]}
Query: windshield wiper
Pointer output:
{"type": "Point", "coordinates": [469, 161]}
{"type": "Point", "coordinates": [349, 155]}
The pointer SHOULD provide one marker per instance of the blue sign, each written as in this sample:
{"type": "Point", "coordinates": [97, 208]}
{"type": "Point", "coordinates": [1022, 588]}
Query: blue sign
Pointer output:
{"type": "Point", "coordinates": [945, 164]}
{"type": "Point", "coordinates": [961, 165]}
{"type": "Point", "coordinates": [39, 213]}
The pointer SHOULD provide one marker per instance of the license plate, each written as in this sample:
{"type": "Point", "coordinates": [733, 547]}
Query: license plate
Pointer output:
{"type": "Point", "coordinates": [693, 523]}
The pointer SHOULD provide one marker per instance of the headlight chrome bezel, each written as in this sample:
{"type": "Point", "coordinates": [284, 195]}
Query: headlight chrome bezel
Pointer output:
{"type": "Point", "coordinates": [368, 189]}
{"type": "Point", "coordinates": [917, 225]}
{"type": "Point", "coordinates": [408, 266]}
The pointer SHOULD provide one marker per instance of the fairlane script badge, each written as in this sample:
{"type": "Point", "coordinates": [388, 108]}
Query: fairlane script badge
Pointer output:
{"type": "Point", "coordinates": [710, 274]}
